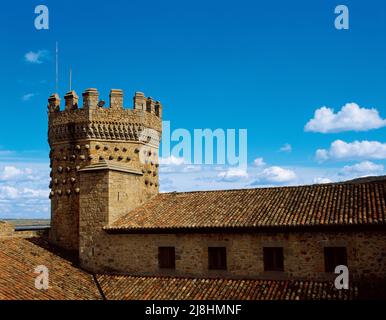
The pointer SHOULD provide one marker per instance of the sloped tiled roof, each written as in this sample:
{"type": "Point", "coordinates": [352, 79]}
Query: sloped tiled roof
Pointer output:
{"type": "Point", "coordinates": [314, 205]}
{"type": "Point", "coordinates": [168, 288]}
{"type": "Point", "coordinates": [18, 259]}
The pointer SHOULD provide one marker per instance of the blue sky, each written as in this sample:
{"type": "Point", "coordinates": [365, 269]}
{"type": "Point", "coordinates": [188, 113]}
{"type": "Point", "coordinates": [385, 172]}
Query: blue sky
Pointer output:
{"type": "Point", "coordinates": [263, 66]}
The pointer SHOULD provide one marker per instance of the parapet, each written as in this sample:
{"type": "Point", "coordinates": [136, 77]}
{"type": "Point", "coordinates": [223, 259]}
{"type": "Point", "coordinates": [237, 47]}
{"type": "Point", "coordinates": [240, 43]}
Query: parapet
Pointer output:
{"type": "Point", "coordinates": [71, 100]}
{"type": "Point", "coordinates": [94, 120]}
{"type": "Point", "coordinates": [54, 103]}
{"type": "Point", "coordinates": [90, 98]}
{"type": "Point", "coordinates": [116, 99]}
{"type": "Point", "coordinates": [91, 102]}
{"type": "Point", "coordinates": [147, 104]}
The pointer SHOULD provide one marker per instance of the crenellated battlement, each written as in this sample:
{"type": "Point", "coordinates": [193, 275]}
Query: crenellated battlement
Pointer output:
{"type": "Point", "coordinates": [95, 121]}
{"type": "Point", "coordinates": [91, 102]}
{"type": "Point", "coordinates": [83, 137]}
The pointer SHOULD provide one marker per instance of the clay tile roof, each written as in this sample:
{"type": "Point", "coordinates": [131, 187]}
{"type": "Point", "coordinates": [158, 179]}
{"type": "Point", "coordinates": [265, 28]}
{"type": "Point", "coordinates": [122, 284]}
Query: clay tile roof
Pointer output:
{"type": "Point", "coordinates": [315, 205]}
{"type": "Point", "coordinates": [18, 259]}
{"type": "Point", "coordinates": [168, 288]}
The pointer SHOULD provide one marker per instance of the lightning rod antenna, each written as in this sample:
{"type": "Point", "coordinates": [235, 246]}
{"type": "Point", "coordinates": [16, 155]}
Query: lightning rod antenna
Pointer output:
{"type": "Point", "coordinates": [57, 67]}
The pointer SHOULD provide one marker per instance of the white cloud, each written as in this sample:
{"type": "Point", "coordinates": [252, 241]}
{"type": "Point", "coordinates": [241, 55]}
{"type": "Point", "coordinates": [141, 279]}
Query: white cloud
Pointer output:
{"type": "Point", "coordinates": [357, 150]}
{"type": "Point", "coordinates": [191, 168]}
{"type": "Point", "coordinates": [28, 96]}
{"type": "Point", "coordinates": [350, 117]}
{"type": "Point", "coordinates": [14, 173]}
{"type": "Point", "coordinates": [321, 155]}
{"type": "Point", "coordinates": [177, 164]}
{"type": "Point", "coordinates": [24, 189]}
{"type": "Point", "coordinates": [232, 174]}
{"type": "Point", "coordinates": [259, 162]}
{"type": "Point", "coordinates": [212, 178]}
{"type": "Point", "coordinates": [364, 168]}
{"type": "Point", "coordinates": [171, 164]}
{"type": "Point", "coordinates": [36, 57]}
{"type": "Point", "coordinates": [286, 148]}
{"type": "Point", "coordinates": [321, 180]}
{"type": "Point", "coordinates": [34, 193]}
{"type": "Point", "coordinates": [275, 174]}
{"type": "Point", "coordinates": [13, 193]}
{"type": "Point", "coordinates": [10, 172]}
{"type": "Point", "coordinates": [7, 192]}
{"type": "Point", "coordinates": [172, 160]}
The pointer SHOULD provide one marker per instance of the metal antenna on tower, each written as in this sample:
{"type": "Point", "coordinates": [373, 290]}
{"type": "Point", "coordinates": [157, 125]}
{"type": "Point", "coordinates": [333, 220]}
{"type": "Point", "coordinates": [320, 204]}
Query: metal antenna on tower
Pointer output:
{"type": "Point", "coordinates": [57, 67]}
{"type": "Point", "coordinates": [70, 78]}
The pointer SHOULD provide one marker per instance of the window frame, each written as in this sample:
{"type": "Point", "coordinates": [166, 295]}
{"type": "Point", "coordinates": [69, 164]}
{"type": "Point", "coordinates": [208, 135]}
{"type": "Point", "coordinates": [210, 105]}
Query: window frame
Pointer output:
{"type": "Point", "coordinates": [273, 258]}
{"type": "Point", "coordinates": [332, 255]}
{"type": "Point", "coordinates": [217, 258]}
{"type": "Point", "coordinates": [169, 262]}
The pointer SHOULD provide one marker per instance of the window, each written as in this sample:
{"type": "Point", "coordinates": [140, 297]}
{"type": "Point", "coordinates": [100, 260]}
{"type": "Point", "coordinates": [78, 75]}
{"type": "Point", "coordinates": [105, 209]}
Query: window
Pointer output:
{"type": "Point", "coordinates": [273, 259]}
{"type": "Point", "coordinates": [166, 257]}
{"type": "Point", "coordinates": [334, 256]}
{"type": "Point", "coordinates": [217, 258]}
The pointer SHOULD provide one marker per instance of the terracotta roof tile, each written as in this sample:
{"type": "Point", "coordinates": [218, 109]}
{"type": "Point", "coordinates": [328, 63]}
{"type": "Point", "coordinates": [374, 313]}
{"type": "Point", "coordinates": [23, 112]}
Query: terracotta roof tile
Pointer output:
{"type": "Point", "coordinates": [18, 259]}
{"type": "Point", "coordinates": [315, 205]}
{"type": "Point", "coordinates": [168, 288]}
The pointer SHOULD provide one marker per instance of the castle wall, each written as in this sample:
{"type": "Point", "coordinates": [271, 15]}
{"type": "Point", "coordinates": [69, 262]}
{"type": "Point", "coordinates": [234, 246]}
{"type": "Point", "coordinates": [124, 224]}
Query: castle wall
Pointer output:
{"type": "Point", "coordinates": [93, 215]}
{"type": "Point", "coordinates": [303, 254]}
{"type": "Point", "coordinates": [105, 162]}
{"type": "Point", "coordinates": [125, 193]}
{"type": "Point", "coordinates": [6, 229]}
{"type": "Point", "coordinates": [82, 137]}
{"type": "Point", "coordinates": [108, 193]}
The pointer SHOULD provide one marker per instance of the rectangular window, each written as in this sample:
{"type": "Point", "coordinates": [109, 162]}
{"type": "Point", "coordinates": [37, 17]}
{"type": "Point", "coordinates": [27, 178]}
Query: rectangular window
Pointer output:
{"type": "Point", "coordinates": [334, 256]}
{"type": "Point", "coordinates": [166, 257]}
{"type": "Point", "coordinates": [273, 259]}
{"type": "Point", "coordinates": [217, 258]}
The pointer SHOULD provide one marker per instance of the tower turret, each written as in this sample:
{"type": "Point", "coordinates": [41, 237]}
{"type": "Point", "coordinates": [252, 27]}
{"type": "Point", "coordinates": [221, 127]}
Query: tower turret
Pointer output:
{"type": "Point", "coordinates": [89, 139]}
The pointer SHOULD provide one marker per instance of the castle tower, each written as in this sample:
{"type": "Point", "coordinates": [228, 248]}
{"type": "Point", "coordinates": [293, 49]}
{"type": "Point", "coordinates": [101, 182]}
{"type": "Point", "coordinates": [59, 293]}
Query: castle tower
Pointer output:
{"type": "Point", "coordinates": [121, 143]}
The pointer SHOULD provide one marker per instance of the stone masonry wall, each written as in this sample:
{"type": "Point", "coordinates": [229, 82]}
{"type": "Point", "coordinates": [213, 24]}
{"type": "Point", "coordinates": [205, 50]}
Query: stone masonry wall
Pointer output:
{"type": "Point", "coordinates": [80, 137]}
{"type": "Point", "coordinates": [6, 229]}
{"type": "Point", "coordinates": [106, 196]}
{"type": "Point", "coordinates": [125, 193]}
{"type": "Point", "coordinates": [93, 214]}
{"type": "Point", "coordinates": [303, 254]}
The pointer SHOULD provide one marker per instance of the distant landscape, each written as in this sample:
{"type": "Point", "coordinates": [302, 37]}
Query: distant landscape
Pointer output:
{"type": "Point", "coordinates": [28, 222]}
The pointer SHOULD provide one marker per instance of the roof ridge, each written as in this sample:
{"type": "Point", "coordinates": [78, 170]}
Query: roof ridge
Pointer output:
{"type": "Point", "coordinates": [198, 278]}
{"type": "Point", "coordinates": [316, 185]}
